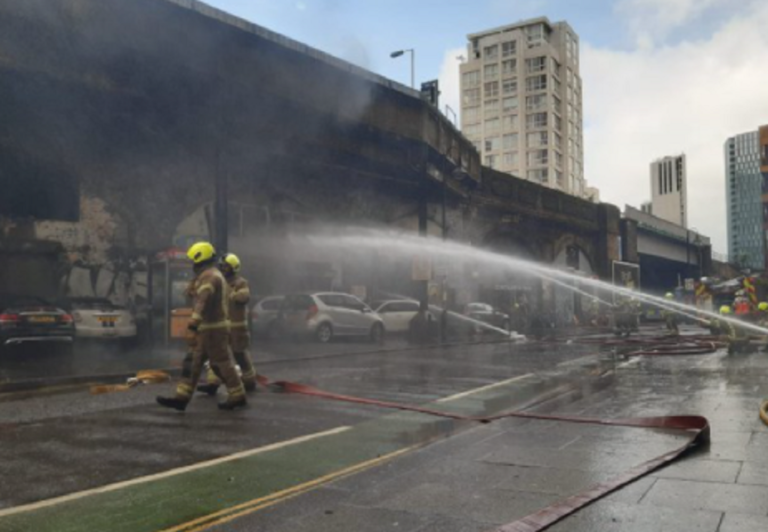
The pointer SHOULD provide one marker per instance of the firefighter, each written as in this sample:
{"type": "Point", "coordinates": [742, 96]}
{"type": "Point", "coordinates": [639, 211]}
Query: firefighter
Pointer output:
{"type": "Point", "coordinates": [762, 314]}
{"type": "Point", "coordinates": [239, 334]}
{"type": "Point", "coordinates": [670, 317]}
{"type": "Point", "coordinates": [207, 333]}
{"type": "Point", "coordinates": [738, 341]}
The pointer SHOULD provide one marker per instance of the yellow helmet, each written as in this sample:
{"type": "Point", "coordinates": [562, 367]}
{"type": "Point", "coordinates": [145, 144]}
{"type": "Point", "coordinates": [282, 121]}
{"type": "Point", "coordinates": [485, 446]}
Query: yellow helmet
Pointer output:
{"type": "Point", "coordinates": [201, 252]}
{"type": "Point", "coordinates": [669, 295]}
{"type": "Point", "coordinates": [725, 309]}
{"type": "Point", "coordinates": [763, 306]}
{"type": "Point", "coordinates": [233, 261]}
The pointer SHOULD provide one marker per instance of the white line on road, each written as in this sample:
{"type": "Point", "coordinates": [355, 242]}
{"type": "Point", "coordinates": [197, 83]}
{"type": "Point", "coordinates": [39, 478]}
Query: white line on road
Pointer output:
{"type": "Point", "coordinates": [483, 388]}
{"type": "Point", "coordinates": [170, 473]}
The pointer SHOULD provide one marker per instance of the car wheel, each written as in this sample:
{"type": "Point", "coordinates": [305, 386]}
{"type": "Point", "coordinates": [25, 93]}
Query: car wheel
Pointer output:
{"type": "Point", "coordinates": [324, 333]}
{"type": "Point", "coordinates": [377, 333]}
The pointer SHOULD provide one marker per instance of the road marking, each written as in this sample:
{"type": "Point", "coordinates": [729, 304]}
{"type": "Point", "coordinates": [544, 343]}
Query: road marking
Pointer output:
{"type": "Point", "coordinates": [170, 473]}
{"type": "Point", "coordinates": [240, 510]}
{"type": "Point", "coordinates": [483, 388]}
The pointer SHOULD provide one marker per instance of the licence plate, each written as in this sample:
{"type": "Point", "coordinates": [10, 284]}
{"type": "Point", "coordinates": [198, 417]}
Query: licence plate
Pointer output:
{"type": "Point", "coordinates": [41, 319]}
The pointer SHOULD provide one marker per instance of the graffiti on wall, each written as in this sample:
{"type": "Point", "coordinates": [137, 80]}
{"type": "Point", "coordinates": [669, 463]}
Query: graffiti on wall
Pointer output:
{"type": "Point", "coordinates": [95, 247]}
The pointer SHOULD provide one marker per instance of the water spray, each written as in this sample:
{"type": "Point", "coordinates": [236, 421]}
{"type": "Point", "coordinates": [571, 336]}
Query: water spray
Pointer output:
{"type": "Point", "coordinates": [412, 245]}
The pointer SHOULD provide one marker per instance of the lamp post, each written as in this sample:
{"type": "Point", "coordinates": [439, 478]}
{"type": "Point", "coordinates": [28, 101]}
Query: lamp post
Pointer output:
{"type": "Point", "coordinates": [411, 51]}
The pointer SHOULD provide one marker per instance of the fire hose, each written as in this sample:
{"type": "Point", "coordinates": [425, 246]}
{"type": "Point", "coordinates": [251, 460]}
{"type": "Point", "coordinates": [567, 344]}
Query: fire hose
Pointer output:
{"type": "Point", "coordinates": [697, 427]}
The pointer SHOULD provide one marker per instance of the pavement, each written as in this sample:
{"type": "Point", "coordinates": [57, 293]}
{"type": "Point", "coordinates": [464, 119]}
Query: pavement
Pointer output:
{"type": "Point", "coordinates": [119, 462]}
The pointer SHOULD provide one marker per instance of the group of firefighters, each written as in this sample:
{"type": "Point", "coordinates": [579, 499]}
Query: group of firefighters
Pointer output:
{"type": "Point", "coordinates": [217, 333]}
{"type": "Point", "coordinates": [627, 311]}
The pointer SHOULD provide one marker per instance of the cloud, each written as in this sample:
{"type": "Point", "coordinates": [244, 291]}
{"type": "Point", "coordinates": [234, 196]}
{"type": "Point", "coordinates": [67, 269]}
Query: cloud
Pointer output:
{"type": "Point", "coordinates": [651, 102]}
{"type": "Point", "coordinates": [653, 20]}
{"type": "Point", "coordinates": [449, 81]}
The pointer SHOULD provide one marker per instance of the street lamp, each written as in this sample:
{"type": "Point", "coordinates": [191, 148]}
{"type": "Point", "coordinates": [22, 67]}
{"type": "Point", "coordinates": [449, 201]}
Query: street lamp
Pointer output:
{"type": "Point", "coordinates": [411, 51]}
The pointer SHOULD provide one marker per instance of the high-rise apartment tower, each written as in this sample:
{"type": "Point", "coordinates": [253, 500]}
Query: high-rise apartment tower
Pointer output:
{"type": "Point", "coordinates": [521, 102]}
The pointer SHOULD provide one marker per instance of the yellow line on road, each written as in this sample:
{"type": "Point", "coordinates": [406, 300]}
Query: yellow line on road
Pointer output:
{"type": "Point", "coordinates": [240, 510]}
{"type": "Point", "coordinates": [165, 474]}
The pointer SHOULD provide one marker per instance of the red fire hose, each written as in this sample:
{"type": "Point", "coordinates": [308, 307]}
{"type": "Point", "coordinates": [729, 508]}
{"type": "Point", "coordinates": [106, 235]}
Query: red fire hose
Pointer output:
{"type": "Point", "coordinates": [697, 428]}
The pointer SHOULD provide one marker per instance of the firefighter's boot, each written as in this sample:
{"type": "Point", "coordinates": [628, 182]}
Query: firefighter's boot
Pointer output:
{"type": "Point", "coordinates": [233, 402]}
{"type": "Point", "coordinates": [177, 403]}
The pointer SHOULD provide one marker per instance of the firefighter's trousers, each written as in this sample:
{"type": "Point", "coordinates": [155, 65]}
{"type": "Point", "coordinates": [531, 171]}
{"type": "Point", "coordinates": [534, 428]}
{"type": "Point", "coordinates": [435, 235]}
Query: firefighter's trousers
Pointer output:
{"type": "Point", "coordinates": [213, 346]}
{"type": "Point", "coordinates": [239, 342]}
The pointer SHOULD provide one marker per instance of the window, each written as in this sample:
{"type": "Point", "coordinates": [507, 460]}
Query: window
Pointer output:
{"type": "Point", "coordinates": [556, 103]}
{"type": "Point", "coordinates": [491, 71]}
{"type": "Point", "coordinates": [558, 159]}
{"type": "Point", "coordinates": [558, 123]}
{"type": "Point", "coordinates": [509, 67]}
{"type": "Point", "coordinates": [471, 114]}
{"type": "Point", "coordinates": [511, 160]}
{"type": "Point", "coordinates": [538, 157]}
{"type": "Point", "coordinates": [509, 86]}
{"type": "Point", "coordinates": [490, 161]}
{"type": "Point", "coordinates": [491, 89]}
{"type": "Point", "coordinates": [536, 120]}
{"type": "Point", "coordinates": [509, 141]}
{"type": "Point", "coordinates": [535, 34]}
{"type": "Point", "coordinates": [492, 144]}
{"type": "Point", "coordinates": [509, 122]}
{"type": "Point", "coordinates": [570, 111]}
{"type": "Point", "coordinates": [491, 125]}
{"type": "Point", "coordinates": [491, 52]}
{"type": "Point", "coordinates": [541, 175]}
{"type": "Point", "coordinates": [536, 83]}
{"type": "Point", "coordinates": [491, 107]}
{"type": "Point", "coordinates": [558, 141]}
{"type": "Point", "coordinates": [536, 102]}
{"type": "Point", "coordinates": [570, 76]}
{"type": "Point", "coordinates": [471, 97]}
{"type": "Point", "coordinates": [471, 79]}
{"type": "Point", "coordinates": [536, 139]}
{"type": "Point", "coordinates": [508, 48]}
{"type": "Point", "coordinates": [558, 85]}
{"type": "Point", "coordinates": [509, 104]}
{"type": "Point", "coordinates": [559, 177]}
{"type": "Point", "coordinates": [535, 64]}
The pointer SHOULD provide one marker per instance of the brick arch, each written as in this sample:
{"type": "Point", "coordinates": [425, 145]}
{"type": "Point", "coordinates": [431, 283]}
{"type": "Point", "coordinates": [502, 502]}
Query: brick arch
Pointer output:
{"type": "Point", "coordinates": [586, 247]}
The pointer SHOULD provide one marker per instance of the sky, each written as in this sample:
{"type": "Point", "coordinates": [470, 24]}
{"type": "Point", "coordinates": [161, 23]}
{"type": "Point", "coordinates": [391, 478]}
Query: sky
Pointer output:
{"type": "Point", "coordinates": [660, 77]}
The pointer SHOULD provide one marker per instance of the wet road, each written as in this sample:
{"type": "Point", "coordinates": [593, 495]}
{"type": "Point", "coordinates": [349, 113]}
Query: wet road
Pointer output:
{"type": "Point", "coordinates": [474, 477]}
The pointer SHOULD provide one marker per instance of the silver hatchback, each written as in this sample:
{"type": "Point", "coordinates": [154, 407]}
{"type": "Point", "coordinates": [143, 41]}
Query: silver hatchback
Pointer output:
{"type": "Point", "coordinates": [326, 315]}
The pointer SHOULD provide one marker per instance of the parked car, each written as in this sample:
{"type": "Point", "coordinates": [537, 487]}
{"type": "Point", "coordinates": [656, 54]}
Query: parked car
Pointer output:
{"type": "Point", "coordinates": [264, 316]}
{"type": "Point", "coordinates": [28, 319]}
{"type": "Point", "coordinates": [100, 318]}
{"type": "Point", "coordinates": [397, 314]}
{"type": "Point", "coordinates": [326, 315]}
{"type": "Point", "coordinates": [487, 314]}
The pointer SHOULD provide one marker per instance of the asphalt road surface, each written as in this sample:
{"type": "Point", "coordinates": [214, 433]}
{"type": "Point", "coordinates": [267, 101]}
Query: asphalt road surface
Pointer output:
{"type": "Point", "coordinates": [294, 462]}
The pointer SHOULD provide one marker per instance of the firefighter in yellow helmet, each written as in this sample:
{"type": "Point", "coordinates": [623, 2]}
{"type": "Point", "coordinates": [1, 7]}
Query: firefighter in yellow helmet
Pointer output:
{"type": "Point", "coordinates": [670, 317]}
{"type": "Point", "coordinates": [208, 333]}
{"type": "Point", "coordinates": [735, 336]}
{"type": "Point", "coordinates": [239, 335]}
